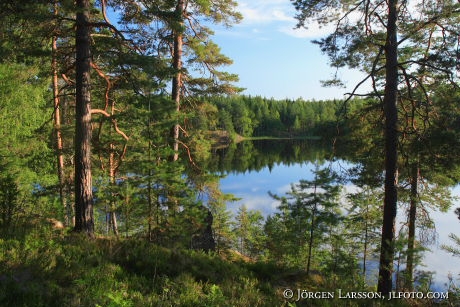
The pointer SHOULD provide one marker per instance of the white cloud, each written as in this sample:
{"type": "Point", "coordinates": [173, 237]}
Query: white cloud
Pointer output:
{"type": "Point", "coordinates": [311, 32]}
{"type": "Point", "coordinates": [263, 203]}
{"type": "Point", "coordinates": [279, 13]}
{"type": "Point", "coordinates": [256, 12]}
{"type": "Point", "coordinates": [283, 189]}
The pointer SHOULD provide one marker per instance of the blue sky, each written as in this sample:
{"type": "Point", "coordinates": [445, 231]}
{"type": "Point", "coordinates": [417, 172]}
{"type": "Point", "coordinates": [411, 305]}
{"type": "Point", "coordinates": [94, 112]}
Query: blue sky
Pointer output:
{"type": "Point", "coordinates": [274, 60]}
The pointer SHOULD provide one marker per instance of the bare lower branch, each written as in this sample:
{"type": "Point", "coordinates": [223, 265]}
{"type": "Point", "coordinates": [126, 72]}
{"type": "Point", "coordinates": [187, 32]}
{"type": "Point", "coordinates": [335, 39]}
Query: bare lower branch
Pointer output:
{"type": "Point", "coordinates": [188, 152]}
{"type": "Point", "coordinates": [114, 122]}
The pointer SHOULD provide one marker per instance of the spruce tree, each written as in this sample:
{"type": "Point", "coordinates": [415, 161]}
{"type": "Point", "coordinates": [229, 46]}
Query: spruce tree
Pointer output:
{"type": "Point", "coordinates": [311, 208]}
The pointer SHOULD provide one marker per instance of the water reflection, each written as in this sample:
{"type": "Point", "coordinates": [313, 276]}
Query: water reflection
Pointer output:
{"type": "Point", "coordinates": [250, 156]}
{"type": "Point", "coordinates": [255, 168]}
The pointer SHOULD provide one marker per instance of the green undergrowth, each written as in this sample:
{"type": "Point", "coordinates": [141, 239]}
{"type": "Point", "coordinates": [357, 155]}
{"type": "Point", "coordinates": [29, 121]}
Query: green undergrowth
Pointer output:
{"type": "Point", "coordinates": [56, 269]}
{"type": "Point", "coordinates": [75, 271]}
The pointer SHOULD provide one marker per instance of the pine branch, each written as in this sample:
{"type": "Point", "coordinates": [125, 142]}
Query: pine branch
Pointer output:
{"type": "Point", "coordinates": [114, 122]}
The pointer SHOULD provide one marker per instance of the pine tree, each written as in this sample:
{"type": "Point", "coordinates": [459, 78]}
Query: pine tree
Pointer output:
{"type": "Point", "coordinates": [372, 43]}
{"type": "Point", "coordinates": [188, 42]}
{"type": "Point", "coordinates": [84, 219]}
{"type": "Point", "coordinates": [248, 229]}
{"type": "Point", "coordinates": [312, 207]}
{"type": "Point", "coordinates": [364, 221]}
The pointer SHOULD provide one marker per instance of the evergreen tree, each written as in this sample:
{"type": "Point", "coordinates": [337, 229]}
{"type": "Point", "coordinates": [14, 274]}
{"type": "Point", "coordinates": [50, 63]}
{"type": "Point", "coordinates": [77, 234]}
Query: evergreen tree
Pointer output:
{"type": "Point", "coordinates": [184, 40]}
{"type": "Point", "coordinates": [248, 229]}
{"type": "Point", "coordinates": [222, 226]}
{"type": "Point", "coordinates": [312, 206]}
{"type": "Point", "coordinates": [363, 222]}
{"type": "Point", "coordinates": [371, 43]}
{"type": "Point", "coordinates": [280, 243]}
{"type": "Point", "coordinates": [26, 165]}
{"type": "Point", "coordinates": [84, 219]}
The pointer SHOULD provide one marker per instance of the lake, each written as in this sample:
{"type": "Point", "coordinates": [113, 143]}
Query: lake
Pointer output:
{"type": "Point", "coordinates": [252, 181]}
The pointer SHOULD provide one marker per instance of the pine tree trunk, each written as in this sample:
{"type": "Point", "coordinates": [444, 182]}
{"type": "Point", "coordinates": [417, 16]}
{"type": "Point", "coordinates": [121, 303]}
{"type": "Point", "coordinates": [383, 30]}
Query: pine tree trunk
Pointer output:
{"type": "Point", "coordinates": [114, 223]}
{"type": "Point", "coordinates": [409, 282]}
{"type": "Point", "coordinates": [84, 221]}
{"type": "Point", "coordinates": [310, 242]}
{"type": "Point", "coordinates": [366, 239]}
{"type": "Point", "coordinates": [391, 142]}
{"type": "Point", "coordinates": [57, 127]}
{"type": "Point", "coordinates": [112, 170]}
{"type": "Point", "coordinates": [312, 230]}
{"type": "Point", "coordinates": [149, 188]}
{"type": "Point", "coordinates": [177, 79]}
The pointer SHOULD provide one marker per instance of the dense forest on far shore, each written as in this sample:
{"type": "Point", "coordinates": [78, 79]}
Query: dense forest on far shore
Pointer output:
{"type": "Point", "coordinates": [259, 116]}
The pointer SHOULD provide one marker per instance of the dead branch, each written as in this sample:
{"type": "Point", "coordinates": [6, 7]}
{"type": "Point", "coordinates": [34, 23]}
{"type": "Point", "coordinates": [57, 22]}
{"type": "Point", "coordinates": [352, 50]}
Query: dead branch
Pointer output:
{"type": "Point", "coordinates": [67, 80]}
{"type": "Point", "coordinates": [114, 122]}
{"type": "Point", "coordinates": [121, 158]}
{"type": "Point", "coordinates": [107, 80]}
{"type": "Point", "coordinates": [188, 153]}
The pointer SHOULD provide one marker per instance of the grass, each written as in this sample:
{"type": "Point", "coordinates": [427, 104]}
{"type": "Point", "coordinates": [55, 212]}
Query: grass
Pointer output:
{"type": "Point", "coordinates": [57, 269]}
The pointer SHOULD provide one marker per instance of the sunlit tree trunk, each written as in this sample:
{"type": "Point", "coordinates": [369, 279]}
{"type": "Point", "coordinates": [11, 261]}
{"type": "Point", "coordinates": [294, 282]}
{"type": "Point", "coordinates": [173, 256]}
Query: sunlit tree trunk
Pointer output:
{"type": "Point", "coordinates": [84, 221]}
{"type": "Point", "coordinates": [112, 171]}
{"type": "Point", "coordinates": [391, 143]}
{"type": "Point", "coordinates": [57, 126]}
{"type": "Point", "coordinates": [177, 65]}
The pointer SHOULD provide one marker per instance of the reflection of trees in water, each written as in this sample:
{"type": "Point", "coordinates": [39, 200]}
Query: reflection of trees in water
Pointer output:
{"type": "Point", "coordinates": [364, 170]}
{"type": "Point", "coordinates": [256, 155]}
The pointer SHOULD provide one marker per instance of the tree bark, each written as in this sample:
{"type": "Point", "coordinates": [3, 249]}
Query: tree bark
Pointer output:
{"type": "Point", "coordinates": [312, 229]}
{"type": "Point", "coordinates": [112, 171]}
{"type": "Point", "coordinates": [391, 154]}
{"type": "Point", "coordinates": [409, 280]}
{"type": "Point", "coordinates": [84, 221]}
{"type": "Point", "coordinates": [366, 238]}
{"type": "Point", "coordinates": [57, 127]}
{"type": "Point", "coordinates": [177, 65]}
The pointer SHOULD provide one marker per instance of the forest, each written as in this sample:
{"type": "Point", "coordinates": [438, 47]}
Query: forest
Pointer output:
{"type": "Point", "coordinates": [118, 121]}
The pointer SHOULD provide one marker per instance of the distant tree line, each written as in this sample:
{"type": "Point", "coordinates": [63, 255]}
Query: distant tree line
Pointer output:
{"type": "Point", "coordinates": [255, 116]}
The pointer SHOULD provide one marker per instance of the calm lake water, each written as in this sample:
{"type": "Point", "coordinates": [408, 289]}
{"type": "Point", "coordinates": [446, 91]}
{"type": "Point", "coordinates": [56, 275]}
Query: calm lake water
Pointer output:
{"type": "Point", "coordinates": [252, 184]}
